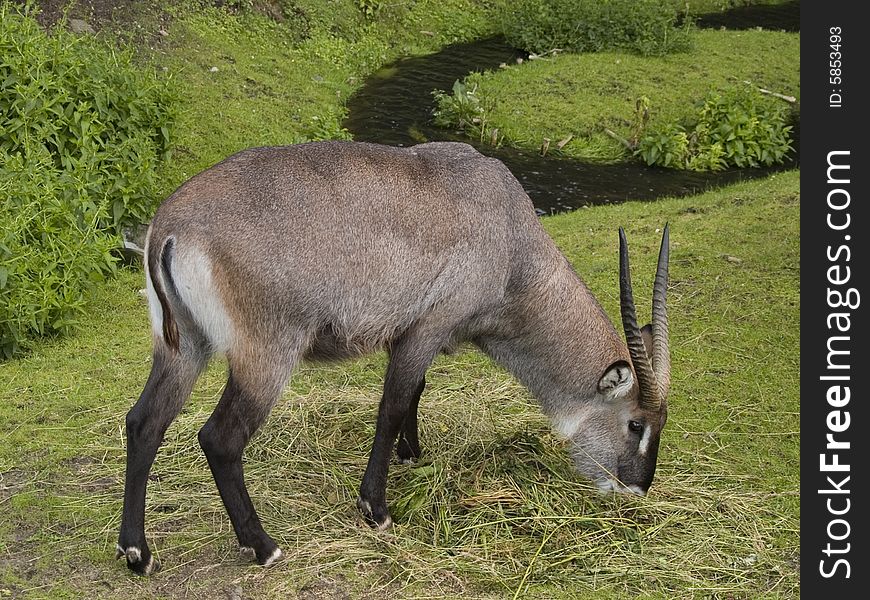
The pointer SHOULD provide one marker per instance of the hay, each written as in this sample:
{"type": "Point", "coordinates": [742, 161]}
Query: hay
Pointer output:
{"type": "Point", "coordinates": [494, 508]}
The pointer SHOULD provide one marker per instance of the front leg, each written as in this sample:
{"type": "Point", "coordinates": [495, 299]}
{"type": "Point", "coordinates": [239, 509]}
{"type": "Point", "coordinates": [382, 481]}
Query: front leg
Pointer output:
{"type": "Point", "coordinates": [408, 446]}
{"type": "Point", "coordinates": [402, 388]}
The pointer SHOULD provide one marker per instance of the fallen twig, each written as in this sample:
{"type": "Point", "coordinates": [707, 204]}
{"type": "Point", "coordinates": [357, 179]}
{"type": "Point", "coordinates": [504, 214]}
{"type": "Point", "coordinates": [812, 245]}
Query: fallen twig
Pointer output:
{"type": "Point", "coordinates": [789, 99]}
{"type": "Point", "coordinates": [620, 139]}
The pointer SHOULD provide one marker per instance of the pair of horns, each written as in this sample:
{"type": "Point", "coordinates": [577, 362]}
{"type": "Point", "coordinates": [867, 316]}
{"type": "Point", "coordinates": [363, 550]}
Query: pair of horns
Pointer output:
{"type": "Point", "coordinates": [653, 371]}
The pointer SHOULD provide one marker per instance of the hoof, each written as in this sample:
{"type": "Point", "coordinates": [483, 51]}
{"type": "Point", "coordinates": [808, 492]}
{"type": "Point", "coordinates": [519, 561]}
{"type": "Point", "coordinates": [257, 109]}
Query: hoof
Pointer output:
{"type": "Point", "coordinates": [141, 563]}
{"type": "Point", "coordinates": [249, 554]}
{"type": "Point", "coordinates": [406, 453]}
{"type": "Point", "coordinates": [276, 556]}
{"type": "Point", "coordinates": [375, 518]}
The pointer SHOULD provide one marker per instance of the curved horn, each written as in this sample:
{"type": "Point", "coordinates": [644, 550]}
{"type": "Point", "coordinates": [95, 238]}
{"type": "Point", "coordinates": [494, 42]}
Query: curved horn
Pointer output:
{"type": "Point", "coordinates": [646, 378]}
{"type": "Point", "coordinates": [661, 354]}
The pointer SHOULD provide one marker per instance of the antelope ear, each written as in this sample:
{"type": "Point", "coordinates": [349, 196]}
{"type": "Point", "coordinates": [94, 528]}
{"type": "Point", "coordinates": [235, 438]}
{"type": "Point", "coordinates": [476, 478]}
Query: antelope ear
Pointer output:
{"type": "Point", "coordinates": [646, 334]}
{"type": "Point", "coordinates": [617, 381]}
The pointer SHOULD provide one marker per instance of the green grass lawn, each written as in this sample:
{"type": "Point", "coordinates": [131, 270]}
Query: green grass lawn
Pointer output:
{"type": "Point", "coordinates": [494, 509]}
{"type": "Point", "coordinates": [579, 95]}
{"type": "Point", "coordinates": [247, 80]}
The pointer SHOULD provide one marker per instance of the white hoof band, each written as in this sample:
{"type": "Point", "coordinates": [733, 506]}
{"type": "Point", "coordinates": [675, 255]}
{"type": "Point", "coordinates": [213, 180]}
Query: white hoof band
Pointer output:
{"type": "Point", "coordinates": [636, 489]}
{"type": "Point", "coordinates": [366, 509]}
{"type": "Point", "coordinates": [133, 554]}
{"type": "Point", "coordinates": [388, 522]}
{"type": "Point", "coordinates": [275, 557]}
{"type": "Point", "coordinates": [150, 567]}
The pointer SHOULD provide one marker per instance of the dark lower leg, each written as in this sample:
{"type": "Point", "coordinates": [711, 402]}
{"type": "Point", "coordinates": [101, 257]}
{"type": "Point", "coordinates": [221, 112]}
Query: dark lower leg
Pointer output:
{"type": "Point", "coordinates": [165, 392]}
{"type": "Point", "coordinates": [408, 446]}
{"type": "Point", "coordinates": [223, 439]}
{"type": "Point", "coordinates": [402, 384]}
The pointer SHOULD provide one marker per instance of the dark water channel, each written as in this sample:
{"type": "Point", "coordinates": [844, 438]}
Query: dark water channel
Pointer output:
{"type": "Point", "coordinates": [785, 17]}
{"type": "Point", "coordinates": [395, 107]}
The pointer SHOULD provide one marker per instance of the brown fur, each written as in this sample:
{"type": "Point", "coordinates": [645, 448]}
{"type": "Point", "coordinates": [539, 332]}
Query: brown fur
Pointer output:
{"type": "Point", "coordinates": [328, 250]}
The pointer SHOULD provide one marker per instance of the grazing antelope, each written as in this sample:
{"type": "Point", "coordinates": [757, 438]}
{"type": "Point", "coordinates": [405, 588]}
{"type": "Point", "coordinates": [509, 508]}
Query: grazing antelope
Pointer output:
{"type": "Point", "coordinates": [328, 250]}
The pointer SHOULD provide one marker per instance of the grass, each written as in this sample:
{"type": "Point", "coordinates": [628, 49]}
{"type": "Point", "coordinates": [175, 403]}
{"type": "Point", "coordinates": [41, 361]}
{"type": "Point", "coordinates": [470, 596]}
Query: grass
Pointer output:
{"type": "Point", "coordinates": [248, 80]}
{"type": "Point", "coordinates": [581, 95]}
{"type": "Point", "coordinates": [494, 509]}
{"type": "Point", "coordinates": [698, 7]}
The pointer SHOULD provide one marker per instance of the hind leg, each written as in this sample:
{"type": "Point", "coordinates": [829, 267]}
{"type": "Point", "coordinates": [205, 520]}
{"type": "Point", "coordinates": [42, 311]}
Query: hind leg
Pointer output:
{"type": "Point", "coordinates": [169, 385]}
{"type": "Point", "coordinates": [244, 405]}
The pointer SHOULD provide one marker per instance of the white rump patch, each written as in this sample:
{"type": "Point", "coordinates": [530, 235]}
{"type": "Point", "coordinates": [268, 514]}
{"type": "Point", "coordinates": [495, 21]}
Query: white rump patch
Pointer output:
{"type": "Point", "coordinates": [192, 275]}
{"type": "Point", "coordinates": [191, 272]}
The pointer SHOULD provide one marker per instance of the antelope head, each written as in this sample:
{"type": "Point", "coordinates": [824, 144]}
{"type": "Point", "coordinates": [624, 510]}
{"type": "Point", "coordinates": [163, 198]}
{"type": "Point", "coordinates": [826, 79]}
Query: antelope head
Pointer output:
{"type": "Point", "coordinates": [616, 444]}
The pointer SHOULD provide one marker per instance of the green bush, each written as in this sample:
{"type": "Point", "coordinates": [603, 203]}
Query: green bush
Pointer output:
{"type": "Point", "coordinates": [648, 27]}
{"type": "Point", "coordinates": [52, 250]}
{"type": "Point", "coordinates": [736, 128]}
{"type": "Point", "coordinates": [466, 109]}
{"type": "Point", "coordinates": [463, 108]}
{"type": "Point", "coordinates": [82, 129]}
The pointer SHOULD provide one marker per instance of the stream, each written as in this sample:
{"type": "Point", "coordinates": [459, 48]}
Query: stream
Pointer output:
{"type": "Point", "coordinates": [395, 107]}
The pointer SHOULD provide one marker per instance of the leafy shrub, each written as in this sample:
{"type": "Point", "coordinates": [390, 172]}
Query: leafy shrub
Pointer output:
{"type": "Point", "coordinates": [648, 27]}
{"type": "Point", "coordinates": [81, 131]}
{"type": "Point", "coordinates": [326, 126]}
{"type": "Point", "coordinates": [370, 7]}
{"type": "Point", "coordinates": [465, 109]}
{"type": "Point", "coordinates": [90, 108]}
{"type": "Point", "coordinates": [737, 128]}
{"type": "Point", "coordinates": [52, 249]}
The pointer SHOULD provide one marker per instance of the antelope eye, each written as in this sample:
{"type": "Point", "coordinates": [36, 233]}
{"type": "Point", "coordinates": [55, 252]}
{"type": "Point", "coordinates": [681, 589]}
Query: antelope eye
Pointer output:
{"type": "Point", "coordinates": [635, 426]}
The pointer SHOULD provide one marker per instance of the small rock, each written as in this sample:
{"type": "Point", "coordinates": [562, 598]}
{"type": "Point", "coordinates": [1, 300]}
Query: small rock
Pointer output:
{"type": "Point", "coordinates": [79, 26]}
{"type": "Point", "coordinates": [213, 70]}
{"type": "Point", "coordinates": [234, 593]}
{"type": "Point", "coordinates": [162, 32]}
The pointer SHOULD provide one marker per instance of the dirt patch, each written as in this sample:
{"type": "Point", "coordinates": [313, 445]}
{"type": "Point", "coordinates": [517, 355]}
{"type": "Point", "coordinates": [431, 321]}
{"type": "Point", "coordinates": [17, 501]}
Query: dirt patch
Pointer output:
{"type": "Point", "coordinates": [324, 589]}
{"type": "Point", "coordinates": [142, 24]}
{"type": "Point", "coordinates": [12, 482]}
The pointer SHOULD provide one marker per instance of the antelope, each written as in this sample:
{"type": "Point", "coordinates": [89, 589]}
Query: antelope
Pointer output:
{"type": "Point", "coordinates": [328, 250]}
